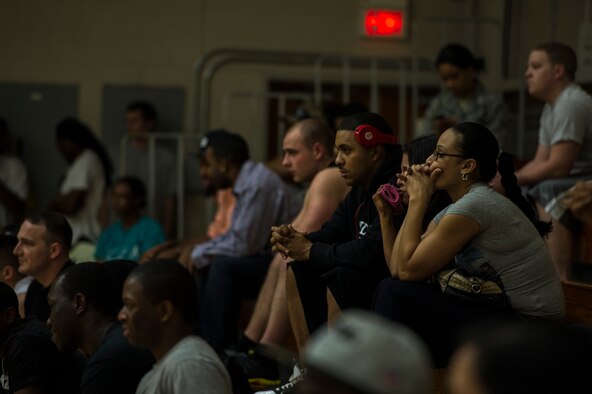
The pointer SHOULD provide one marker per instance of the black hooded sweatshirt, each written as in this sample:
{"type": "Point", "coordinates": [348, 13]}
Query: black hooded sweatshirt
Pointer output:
{"type": "Point", "coordinates": [352, 237]}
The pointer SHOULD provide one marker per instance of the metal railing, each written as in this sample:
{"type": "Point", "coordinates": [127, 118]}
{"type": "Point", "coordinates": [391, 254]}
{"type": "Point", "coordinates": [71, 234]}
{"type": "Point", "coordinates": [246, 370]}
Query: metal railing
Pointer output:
{"type": "Point", "coordinates": [211, 62]}
{"type": "Point", "coordinates": [407, 69]}
{"type": "Point", "coordinates": [181, 143]}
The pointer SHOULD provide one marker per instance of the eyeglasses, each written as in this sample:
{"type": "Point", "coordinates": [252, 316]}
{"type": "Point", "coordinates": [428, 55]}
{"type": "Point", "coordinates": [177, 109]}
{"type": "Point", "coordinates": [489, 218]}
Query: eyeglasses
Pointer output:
{"type": "Point", "coordinates": [439, 155]}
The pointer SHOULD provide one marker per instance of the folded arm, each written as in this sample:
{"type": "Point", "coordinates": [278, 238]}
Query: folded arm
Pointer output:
{"type": "Point", "coordinates": [554, 161]}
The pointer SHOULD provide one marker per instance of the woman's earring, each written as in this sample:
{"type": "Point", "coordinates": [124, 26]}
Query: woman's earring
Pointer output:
{"type": "Point", "coordinates": [465, 176]}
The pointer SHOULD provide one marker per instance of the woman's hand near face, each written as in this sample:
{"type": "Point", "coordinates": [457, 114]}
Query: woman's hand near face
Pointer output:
{"type": "Point", "coordinates": [403, 177]}
{"type": "Point", "coordinates": [421, 181]}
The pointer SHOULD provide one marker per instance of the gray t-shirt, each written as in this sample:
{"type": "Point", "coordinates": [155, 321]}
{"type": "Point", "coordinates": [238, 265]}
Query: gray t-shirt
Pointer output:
{"type": "Point", "coordinates": [191, 366]}
{"type": "Point", "coordinates": [509, 250]}
{"type": "Point", "coordinates": [570, 119]}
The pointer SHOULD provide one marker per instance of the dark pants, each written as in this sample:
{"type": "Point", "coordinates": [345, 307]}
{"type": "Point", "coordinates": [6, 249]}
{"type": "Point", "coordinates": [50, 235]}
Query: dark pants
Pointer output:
{"type": "Point", "coordinates": [229, 280]}
{"type": "Point", "coordinates": [351, 288]}
{"type": "Point", "coordinates": [436, 318]}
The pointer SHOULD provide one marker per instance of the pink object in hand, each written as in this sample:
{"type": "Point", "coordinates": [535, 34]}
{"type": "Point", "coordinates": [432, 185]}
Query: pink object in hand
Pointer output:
{"type": "Point", "coordinates": [391, 195]}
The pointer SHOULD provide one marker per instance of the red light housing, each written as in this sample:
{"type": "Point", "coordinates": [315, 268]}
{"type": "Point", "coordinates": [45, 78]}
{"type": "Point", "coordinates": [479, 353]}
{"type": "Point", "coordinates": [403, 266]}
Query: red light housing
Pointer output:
{"type": "Point", "coordinates": [383, 23]}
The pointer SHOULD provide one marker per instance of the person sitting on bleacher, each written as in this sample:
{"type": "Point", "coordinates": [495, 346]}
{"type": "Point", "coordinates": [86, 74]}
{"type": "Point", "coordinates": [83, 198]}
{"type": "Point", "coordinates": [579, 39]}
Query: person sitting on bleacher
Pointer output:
{"type": "Point", "coordinates": [31, 363]}
{"type": "Point", "coordinates": [564, 153]}
{"type": "Point", "coordinates": [499, 257]}
{"type": "Point", "coordinates": [133, 233]}
{"type": "Point", "coordinates": [86, 180]}
{"type": "Point", "coordinates": [44, 243]}
{"type": "Point", "coordinates": [463, 97]}
{"type": "Point", "coordinates": [308, 154]}
{"type": "Point", "coordinates": [262, 201]}
{"type": "Point", "coordinates": [141, 119]}
{"type": "Point", "coordinates": [338, 266]}
{"type": "Point", "coordinates": [85, 300]}
{"type": "Point", "coordinates": [308, 147]}
{"type": "Point", "coordinates": [159, 314]}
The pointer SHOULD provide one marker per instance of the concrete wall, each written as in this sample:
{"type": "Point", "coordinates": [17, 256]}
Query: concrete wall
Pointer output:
{"type": "Point", "coordinates": [155, 43]}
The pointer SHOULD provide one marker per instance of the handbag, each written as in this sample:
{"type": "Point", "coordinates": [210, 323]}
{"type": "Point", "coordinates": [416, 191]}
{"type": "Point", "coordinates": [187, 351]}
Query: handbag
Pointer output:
{"type": "Point", "coordinates": [458, 283]}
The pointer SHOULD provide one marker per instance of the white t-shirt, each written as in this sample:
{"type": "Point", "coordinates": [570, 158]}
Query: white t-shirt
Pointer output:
{"type": "Point", "coordinates": [191, 366]}
{"type": "Point", "coordinates": [85, 173]}
{"type": "Point", "coordinates": [13, 174]}
{"type": "Point", "coordinates": [22, 285]}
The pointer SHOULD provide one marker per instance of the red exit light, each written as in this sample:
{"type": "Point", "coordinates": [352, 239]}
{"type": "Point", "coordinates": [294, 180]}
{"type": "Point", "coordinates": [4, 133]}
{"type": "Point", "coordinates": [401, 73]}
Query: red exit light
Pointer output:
{"type": "Point", "coordinates": [383, 23]}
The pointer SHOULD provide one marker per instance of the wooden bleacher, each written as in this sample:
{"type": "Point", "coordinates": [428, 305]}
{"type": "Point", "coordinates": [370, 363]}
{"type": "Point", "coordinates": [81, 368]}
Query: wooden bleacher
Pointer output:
{"type": "Point", "coordinates": [582, 266]}
{"type": "Point", "coordinates": [578, 302]}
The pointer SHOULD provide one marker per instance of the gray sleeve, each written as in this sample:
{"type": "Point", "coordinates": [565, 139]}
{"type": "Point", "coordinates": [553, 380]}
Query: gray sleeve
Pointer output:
{"type": "Point", "coordinates": [440, 215]}
{"type": "Point", "coordinates": [571, 124]}
{"type": "Point", "coordinates": [471, 205]}
{"type": "Point", "coordinates": [434, 109]}
{"type": "Point", "coordinates": [200, 376]}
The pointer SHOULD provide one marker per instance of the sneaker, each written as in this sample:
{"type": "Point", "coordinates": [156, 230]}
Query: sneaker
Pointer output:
{"type": "Point", "coordinates": [297, 372]}
{"type": "Point", "coordinates": [287, 388]}
{"type": "Point", "coordinates": [298, 375]}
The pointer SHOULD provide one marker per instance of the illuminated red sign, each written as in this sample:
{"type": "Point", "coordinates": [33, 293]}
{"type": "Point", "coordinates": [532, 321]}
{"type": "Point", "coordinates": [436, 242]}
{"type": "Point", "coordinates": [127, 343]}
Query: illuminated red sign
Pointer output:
{"type": "Point", "coordinates": [383, 23]}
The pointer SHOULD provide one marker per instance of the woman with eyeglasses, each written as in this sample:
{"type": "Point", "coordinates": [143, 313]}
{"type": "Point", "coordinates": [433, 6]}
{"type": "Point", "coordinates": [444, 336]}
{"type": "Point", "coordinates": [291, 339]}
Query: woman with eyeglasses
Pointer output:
{"type": "Point", "coordinates": [416, 151]}
{"type": "Point", "coordinates": [499, 264]}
